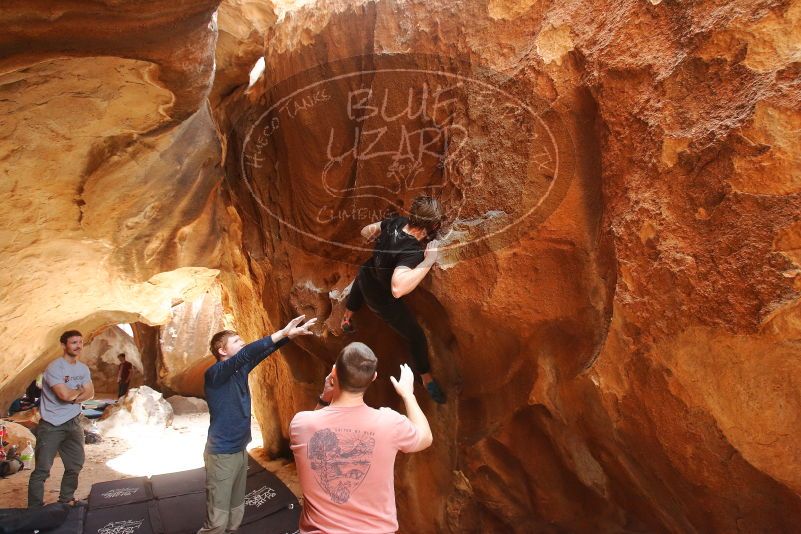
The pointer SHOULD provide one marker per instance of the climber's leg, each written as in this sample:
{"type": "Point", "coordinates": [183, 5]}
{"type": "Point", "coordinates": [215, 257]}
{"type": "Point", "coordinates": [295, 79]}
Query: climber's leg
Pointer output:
{"type": "Point", "coordinates": [400, 318]}
{"type": "Point", "coordinates": [354, 302]}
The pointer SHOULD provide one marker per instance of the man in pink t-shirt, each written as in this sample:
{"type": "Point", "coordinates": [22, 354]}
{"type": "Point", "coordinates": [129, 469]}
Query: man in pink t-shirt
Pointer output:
{"type": "Point", "coordinates": [345, 450]}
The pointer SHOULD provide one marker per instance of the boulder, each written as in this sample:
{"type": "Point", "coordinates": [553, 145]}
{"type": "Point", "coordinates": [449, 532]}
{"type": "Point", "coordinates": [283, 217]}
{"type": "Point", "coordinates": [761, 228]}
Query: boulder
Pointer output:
{"type": "Point", "coordinates": [142, 405]}
{"type": "Point", "coordinates": [18, 435]}
{"type": "Point", "coordinates": [29, 418]}
{"type": "Point", "coordinates": [184, 343]}
{"type": "Point", "coordinates": [187, 405]}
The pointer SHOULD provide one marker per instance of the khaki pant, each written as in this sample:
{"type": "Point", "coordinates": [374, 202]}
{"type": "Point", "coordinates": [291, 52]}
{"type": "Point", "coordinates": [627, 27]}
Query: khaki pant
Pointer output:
{"type": "Point", "coordinates": [226, 475]}
{"type": "Point", "coordinates": [65, 439]}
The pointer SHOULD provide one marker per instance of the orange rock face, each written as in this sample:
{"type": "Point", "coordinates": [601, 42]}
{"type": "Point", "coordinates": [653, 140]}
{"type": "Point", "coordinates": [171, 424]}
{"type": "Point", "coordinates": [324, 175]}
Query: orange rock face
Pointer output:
{"type": "Point", "coordinates": [615, 316]}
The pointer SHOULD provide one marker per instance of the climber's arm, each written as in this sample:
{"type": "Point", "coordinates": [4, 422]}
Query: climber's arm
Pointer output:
{"type": "Point", "coordinates": [405, 278]}
{"type": "Point", "coordinates": [371, 231]}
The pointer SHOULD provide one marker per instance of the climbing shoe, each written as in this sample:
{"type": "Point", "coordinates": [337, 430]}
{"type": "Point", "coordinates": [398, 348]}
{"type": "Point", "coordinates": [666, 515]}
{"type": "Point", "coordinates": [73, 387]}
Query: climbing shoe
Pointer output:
{"type": "Point", "coordinates": [435, 392]}
{"type": "Point", "coordinates": [347, 326]}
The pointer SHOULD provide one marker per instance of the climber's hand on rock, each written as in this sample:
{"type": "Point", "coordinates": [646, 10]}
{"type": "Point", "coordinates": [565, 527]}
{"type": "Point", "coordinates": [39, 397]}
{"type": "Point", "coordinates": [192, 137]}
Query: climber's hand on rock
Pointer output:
{"type": "Point", "coordinates": [294, 329]}
{"type": "Point", "coordinates": [432, 252]}
{"type": "Point", "coordinates": [405, 384]}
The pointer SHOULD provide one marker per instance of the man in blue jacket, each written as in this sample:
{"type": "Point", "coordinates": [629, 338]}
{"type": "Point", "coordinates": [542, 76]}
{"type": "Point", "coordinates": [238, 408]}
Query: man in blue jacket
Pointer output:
{"type": "Point", "coordinates": [228, 395]}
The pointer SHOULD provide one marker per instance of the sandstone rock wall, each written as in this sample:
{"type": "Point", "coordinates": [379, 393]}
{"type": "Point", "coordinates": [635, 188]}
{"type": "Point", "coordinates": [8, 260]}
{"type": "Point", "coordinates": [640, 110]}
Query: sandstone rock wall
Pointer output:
{"type": "Point", "coordinates": [625, 361]}
{"type": "Point", "coordinates": [184, 344]}
{"type": "Point", "coordinates": [110, 170]}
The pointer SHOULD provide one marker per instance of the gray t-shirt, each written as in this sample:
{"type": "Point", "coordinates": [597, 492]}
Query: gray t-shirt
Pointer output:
{"type": "Point", "coordinates": [54, 410]}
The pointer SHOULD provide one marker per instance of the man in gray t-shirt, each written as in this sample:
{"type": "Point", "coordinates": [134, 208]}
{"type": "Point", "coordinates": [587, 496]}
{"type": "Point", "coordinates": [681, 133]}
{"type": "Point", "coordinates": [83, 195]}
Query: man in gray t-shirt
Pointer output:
{"type": "Point", "coordinates": [66, 383]}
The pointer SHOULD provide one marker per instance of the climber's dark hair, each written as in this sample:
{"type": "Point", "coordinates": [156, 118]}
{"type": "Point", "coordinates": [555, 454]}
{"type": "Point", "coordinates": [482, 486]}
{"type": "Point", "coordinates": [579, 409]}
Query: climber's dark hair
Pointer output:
{"type": "Point", "coordinates": [425, 213]}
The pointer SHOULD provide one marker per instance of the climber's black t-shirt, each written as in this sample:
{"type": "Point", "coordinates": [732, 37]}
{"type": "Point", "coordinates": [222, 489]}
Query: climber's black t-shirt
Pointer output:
{"type": "Point", "coordinates": [393, 248]}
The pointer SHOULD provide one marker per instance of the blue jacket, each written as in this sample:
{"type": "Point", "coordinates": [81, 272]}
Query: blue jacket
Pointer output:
{"type": "Point", "coordinates": [228, 395]}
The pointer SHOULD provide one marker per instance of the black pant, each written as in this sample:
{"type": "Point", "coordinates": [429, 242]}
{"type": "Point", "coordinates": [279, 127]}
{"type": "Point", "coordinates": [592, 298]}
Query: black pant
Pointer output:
{"type": "Point", "coordinates": [122, 389]}
{"type": "Point", "coordinates": [67, 440]}
{"type": "Point", "coordinates": [395, 313]}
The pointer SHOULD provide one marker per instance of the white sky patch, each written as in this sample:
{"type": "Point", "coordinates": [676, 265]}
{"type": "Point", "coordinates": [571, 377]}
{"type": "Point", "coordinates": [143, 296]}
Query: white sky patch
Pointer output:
{"type": "Point", "coordinates": [125, 327]}
{"type": "Point", "coordinates": [256, 72]}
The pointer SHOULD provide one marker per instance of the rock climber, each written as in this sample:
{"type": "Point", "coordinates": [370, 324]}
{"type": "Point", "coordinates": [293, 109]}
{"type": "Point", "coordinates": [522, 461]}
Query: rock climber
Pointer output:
{"type": "Point", "coordinates": [405, 250]}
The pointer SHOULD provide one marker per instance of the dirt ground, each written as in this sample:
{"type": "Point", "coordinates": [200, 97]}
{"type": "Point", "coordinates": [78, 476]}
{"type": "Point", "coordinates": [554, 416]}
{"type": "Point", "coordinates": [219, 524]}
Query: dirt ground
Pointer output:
{"type": "Point", "coordinates": [142, 451]}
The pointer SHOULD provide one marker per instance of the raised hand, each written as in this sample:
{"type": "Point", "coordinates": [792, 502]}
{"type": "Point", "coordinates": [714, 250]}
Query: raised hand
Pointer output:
{"type": "Point", "coordinates": [294, 328]}
{"type": "Point", "coordinates": [405, 384]}
{"type": "Point", "coordinates": [328, 387]}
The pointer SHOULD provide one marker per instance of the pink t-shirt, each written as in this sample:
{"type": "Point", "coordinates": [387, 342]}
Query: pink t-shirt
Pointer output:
{"type": "Point", "coordinates": [345, 458]}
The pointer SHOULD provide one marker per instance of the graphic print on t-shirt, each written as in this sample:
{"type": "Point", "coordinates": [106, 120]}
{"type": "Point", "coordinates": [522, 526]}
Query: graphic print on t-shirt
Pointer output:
{"type": "Point", "coordinates": [78, 380]}
{"type": "Point", "coordinates": [340, 459]}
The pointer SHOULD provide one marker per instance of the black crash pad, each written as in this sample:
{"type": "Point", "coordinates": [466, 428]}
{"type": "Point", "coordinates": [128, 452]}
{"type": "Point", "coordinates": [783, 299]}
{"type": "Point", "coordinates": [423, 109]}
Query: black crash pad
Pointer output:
{"type": "Point", "coordinates": [182, 514]}
{"type": "Point", "coordinates": [119, 492]}
{"type": "Point", "coordinates": [126, 519]}
{"type": "Point", "coordinates": [173, 503]}
{"type": "Point", "coordinates": [174, 484]}
{"type": "Point", "coordinates": [30, 519]}
{"type": "Point", "coordinates": [73, 524]}
{"type": "Point", "coordinates": [265, 494]}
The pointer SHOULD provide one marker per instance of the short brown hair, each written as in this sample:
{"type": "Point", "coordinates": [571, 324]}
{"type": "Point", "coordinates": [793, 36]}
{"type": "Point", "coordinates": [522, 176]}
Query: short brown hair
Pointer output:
{"type": "Point", "coordinates": [356, 366]}
{"type": "Point", "coordinates": [218, 341]}
{"type": "Point", "coordinates": [425, 213]}
{"type": "Point", "coordinates": [68, 334]}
